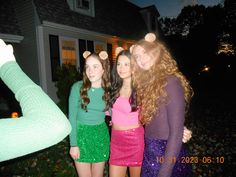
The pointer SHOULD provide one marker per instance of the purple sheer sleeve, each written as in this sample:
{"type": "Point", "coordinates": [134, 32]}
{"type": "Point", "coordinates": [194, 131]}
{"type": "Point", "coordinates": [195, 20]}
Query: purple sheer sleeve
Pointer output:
{"type": "Point", "coordinates": [175, 111]}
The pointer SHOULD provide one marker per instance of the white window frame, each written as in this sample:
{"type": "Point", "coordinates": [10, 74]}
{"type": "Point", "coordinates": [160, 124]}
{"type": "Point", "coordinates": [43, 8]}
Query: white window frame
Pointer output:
{"type": "Point", "coordinates": [89, 12]}
{"type": "Point", "coordinates": [61, 38]}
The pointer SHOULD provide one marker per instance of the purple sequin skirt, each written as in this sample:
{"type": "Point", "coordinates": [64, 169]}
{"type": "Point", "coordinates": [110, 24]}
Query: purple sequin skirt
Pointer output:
{"type": "Point", "coordinates": [154, 158]}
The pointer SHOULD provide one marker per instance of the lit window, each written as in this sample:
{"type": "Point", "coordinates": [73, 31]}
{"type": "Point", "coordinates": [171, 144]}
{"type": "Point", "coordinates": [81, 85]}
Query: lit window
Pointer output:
{"type": "Point", "coordinates": [99, 46]}
{"type": "Point", "coordinates": [68, 50]}
{"type": "Point", "coordinates": [68, 53]}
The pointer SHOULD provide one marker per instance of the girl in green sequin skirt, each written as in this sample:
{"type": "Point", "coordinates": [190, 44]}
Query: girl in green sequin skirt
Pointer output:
{"type": "Point", "coordinates": [93, 142]}
{"type": "Point", "coordinates": [89, 138]}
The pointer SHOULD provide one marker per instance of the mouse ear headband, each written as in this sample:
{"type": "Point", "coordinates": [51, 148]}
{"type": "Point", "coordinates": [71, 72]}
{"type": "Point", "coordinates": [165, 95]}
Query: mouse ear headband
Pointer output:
{"type": "Point", "coordinates": [149, 37]}
{"type": "Point", "coordinates": [131, 48]}
{"type": "Point", "coordinates": [118, 50]}
{"type": "Point", "coordinates": [103, 54]}
{"type": "Point", "coordinates": [86, 54]}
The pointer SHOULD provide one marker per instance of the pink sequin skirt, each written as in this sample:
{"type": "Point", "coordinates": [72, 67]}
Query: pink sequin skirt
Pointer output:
{"type": "Point", "coordinates": [126, 147]}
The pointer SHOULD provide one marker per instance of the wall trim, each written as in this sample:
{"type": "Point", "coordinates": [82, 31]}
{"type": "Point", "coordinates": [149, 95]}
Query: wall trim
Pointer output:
{"type": "Point", "coordinates": [11, 38]}
{"type": "Point", "coordinates": [84, 31]}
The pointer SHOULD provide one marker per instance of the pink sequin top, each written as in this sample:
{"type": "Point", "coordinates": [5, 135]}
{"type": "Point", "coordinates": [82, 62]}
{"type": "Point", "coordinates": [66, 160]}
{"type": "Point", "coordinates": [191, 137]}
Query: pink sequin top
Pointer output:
{"type": "Point", "coordinates": [121, 113]}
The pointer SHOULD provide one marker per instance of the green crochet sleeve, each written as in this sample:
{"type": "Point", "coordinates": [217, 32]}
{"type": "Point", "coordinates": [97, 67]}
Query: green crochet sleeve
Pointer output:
{"type": "Point", "coordinates": [42, 123]}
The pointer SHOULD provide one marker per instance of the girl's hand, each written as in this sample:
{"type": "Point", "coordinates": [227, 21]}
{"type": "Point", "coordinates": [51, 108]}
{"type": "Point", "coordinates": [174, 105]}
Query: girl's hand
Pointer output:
{"type": "Point", "coordinates": [74, 152]}
{"type": "Point", "coordinates": [187, 135]}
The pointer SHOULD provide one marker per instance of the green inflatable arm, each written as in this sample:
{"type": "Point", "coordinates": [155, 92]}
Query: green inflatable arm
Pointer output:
{"type": "Point", "coordinates": [42, 123]}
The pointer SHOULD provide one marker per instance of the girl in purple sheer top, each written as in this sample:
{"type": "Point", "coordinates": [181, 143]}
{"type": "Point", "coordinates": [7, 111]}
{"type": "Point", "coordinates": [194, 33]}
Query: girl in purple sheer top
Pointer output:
{"type": "Point", "coordinates": [163, 96]}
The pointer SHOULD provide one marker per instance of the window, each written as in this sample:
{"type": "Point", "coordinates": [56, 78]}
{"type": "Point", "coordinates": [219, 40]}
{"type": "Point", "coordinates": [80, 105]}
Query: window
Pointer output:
{"type": "Point", "coordinates": [82, 4]}
{"type": "Point", "coordinates": [83, 46]}
{"type": "Point", "coordinates": [99, 46]}
{"type": "Point", "coordinates": [68, 51]}
{"type": "Point", "coordinates": [54, 55]}
{"type": "Point", "coordinates": [85, 7]}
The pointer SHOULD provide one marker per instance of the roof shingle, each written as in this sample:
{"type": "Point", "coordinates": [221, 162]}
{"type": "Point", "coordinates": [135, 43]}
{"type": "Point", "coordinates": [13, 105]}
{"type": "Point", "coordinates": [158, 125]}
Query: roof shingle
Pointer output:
{"type": "Point", "coordinates": [117, 17]}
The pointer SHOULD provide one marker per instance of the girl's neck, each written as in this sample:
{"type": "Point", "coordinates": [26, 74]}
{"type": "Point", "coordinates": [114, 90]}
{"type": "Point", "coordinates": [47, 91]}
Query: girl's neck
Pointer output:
{"type": "Point", "coordinates": [125, 90]}
{"type": "Point", "coordinates": [126, 83]}
{"type": "Point", "coordinates": [96, 84]}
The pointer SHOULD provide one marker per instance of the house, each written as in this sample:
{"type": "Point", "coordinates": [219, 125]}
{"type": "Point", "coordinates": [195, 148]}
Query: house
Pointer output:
{"type": "Point", "coordinates": [48, 33]}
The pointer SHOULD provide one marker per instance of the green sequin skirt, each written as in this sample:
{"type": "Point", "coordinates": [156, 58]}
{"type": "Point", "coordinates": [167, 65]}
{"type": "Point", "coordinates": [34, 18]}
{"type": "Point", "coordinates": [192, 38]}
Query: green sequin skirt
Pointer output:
{"type": "Point", "coordinates": [93, 142]}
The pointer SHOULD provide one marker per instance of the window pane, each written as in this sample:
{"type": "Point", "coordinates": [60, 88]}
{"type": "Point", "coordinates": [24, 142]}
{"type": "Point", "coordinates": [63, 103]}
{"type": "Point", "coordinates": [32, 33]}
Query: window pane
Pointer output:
{"type": "Point", "coordinates": [90, 46]}
{"type": "Point", "coordinates": [69, 52]}
{"type": "Point", "coordinates": [109, 51]}
{"type": "Point", "coordinates": [83, 4]}
{"type": "Point", "coordinates": [82, 48]}
{"type": "Point", "coordinates": [54, 55]}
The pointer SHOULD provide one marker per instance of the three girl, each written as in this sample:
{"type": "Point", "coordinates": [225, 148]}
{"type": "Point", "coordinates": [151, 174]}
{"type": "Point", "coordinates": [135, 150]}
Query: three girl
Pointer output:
{"type": "Point", "coordinates": [156, 101]}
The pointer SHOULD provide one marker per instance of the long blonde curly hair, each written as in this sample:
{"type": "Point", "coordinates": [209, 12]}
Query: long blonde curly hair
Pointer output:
{"type": "Point", "coordinates": [150, 84]}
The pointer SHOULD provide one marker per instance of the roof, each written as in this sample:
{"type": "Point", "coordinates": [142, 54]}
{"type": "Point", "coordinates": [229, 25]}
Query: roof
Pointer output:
{"type": "Point", "coordinates": [152, 9]}
{"type": "Point", "coordinates": [114, 17]}
{"type": "Point", "coordinates": [8, 21]}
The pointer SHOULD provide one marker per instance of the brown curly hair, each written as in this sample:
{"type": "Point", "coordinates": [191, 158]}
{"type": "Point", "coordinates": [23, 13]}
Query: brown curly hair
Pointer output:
{"type": "Point", "coordinates": [154, 80]}
{"type": "Point", "coordinates": [106, 85]}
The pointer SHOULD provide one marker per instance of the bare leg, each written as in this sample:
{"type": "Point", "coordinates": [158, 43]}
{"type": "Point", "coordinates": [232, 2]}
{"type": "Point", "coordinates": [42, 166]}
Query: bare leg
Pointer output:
{"type": "Point", "coordinates": [98, 169]}
{"type": "Point", "coordinates": [135, 171]}
{"type": "Point", "coordinates": [117, 171]}
{"type": "Point", "coordinates": [83, 169]}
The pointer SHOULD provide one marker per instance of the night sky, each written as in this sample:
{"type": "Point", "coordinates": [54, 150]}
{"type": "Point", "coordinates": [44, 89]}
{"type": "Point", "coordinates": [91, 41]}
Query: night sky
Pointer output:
{"type": "Point", "coordinates": [171, 8]}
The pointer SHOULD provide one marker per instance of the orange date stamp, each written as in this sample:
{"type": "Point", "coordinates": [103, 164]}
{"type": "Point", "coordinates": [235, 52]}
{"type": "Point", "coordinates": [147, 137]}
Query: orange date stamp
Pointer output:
{"type": "Point", "coordinates": [193, 159]}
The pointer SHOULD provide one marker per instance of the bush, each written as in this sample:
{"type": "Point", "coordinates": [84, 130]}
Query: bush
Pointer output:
{"type": "Point", "coordinates": [67, 75]}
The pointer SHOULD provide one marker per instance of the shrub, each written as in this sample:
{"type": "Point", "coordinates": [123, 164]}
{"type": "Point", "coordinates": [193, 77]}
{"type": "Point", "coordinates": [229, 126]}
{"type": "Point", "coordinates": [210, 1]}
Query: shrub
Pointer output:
{"type": "Point", "coordinates": [66, 75]}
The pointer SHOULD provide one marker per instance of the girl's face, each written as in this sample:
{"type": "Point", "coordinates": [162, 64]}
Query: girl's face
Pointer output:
{"type": "Point", "coordinates": [143, 60]}
{"type": "Point", "coordinates": [123, 67]}
{"type": "Point", "coordinates": [94, 70]}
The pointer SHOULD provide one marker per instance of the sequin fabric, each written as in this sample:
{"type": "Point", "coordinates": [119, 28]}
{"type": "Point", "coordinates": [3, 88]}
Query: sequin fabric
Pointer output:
{"type": "Point", "coordinates": [93, 141]}
{"type": "Point", "coordinates": [127, 147]}
{"type": "Point", "coordinates": [153, 159]}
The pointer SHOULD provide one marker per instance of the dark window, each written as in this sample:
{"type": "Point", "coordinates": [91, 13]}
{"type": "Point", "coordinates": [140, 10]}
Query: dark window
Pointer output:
{"type": "Point", "coordinates": [109, 51]}
{"type": "Point", "coordinates": [82, 48]}
{"type": "Point", "coordinates": [54, 55]}
{"type": "Point", "coordinates": [83, 4]}
{"type": "Point", "coordinates": [90, 46]}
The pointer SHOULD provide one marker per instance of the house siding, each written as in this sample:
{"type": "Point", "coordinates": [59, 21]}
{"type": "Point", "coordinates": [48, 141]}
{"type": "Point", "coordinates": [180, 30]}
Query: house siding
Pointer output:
{"type": "Point", "coordinates": [25, 14]}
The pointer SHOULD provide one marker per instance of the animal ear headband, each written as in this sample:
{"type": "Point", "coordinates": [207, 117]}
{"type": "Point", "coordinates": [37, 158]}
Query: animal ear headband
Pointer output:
{"type": "Point", "coordinates": [118, 50]}
{"type": "Point", "coordinates": [103, 54]}
{"type": "Point", "coordinates": [149, 37]}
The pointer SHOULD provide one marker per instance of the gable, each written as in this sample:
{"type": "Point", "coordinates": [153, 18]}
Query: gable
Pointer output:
{"type": "Point", "coordinates": [9, 23]}
{"type": "Point", "coordinates": [114, 17]}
